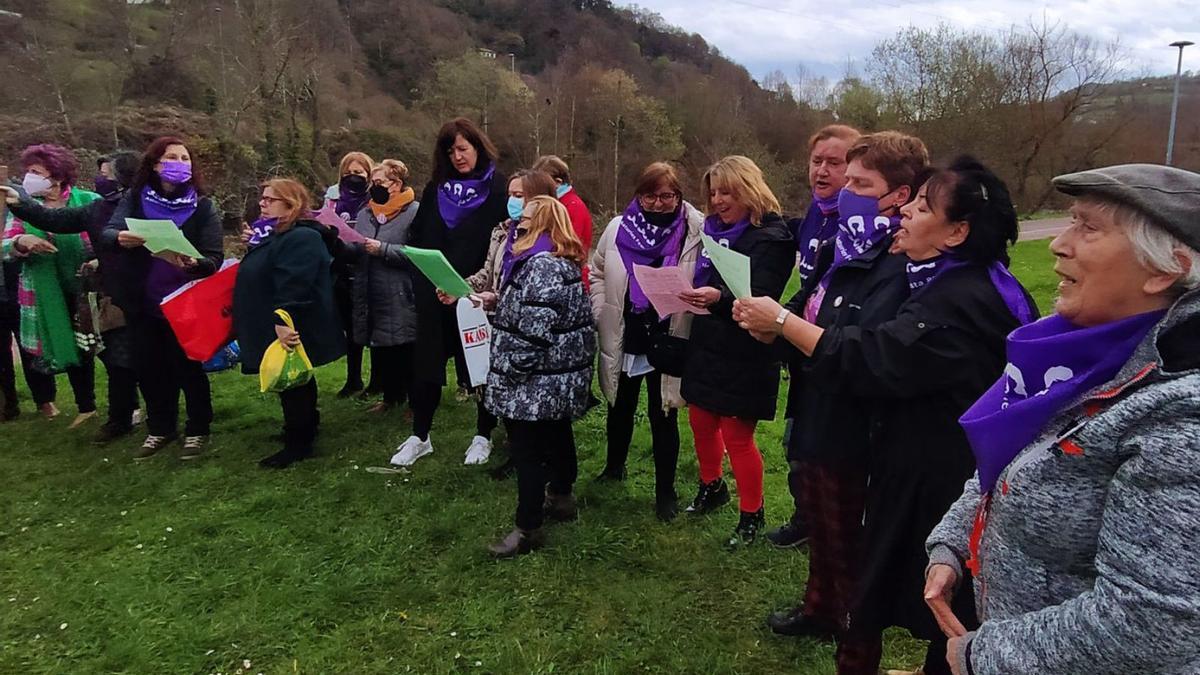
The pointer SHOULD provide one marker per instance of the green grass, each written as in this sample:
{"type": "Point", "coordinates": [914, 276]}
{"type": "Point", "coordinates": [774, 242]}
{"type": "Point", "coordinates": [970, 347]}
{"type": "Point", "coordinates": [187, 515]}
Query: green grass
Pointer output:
{"type": "Point", "coordinates": [166, 567]}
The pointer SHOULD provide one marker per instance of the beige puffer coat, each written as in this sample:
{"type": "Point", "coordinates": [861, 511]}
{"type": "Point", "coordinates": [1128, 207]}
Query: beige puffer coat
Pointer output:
{"type": "Point", "coordinates": [609, 288]}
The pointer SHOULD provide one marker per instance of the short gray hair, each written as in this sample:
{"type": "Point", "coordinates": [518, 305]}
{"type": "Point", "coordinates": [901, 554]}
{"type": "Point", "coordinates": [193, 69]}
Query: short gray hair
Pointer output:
{"type": "Point", "coordinates": [1154, 247]}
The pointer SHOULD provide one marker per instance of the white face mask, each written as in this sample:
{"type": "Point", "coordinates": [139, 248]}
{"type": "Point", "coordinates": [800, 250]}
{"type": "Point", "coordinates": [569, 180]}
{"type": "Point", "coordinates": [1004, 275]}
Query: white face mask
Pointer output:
{"type": "Point", "coordinates": [35, 185]}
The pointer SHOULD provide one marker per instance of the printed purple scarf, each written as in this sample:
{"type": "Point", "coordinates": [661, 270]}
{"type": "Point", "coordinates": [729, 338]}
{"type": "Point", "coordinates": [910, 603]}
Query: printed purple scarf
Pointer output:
{"type": "Point", "coordinates": [509, 262]}
{"type": "Point", "coordinates": [176, 210]}
{"type": "Point", "coordinates": [819, 225]}
{"type": "Point", "coordinates": [458, 198]}
{"type": "Point", "coordinates": [642, 243]}
{"type": "Point", "coordinates": [725, 235]}
{"type": "Point", "coordinates": [1051, 363]}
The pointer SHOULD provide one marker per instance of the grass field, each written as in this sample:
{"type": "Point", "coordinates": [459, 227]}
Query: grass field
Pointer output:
{"type": "Point", "coordinates": [218, 566]}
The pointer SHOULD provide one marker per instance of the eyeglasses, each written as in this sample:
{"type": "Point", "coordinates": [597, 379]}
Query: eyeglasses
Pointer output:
{"type": "Point", "coordinates": [269, 200]}
{"type": "Point", "coordinates": [661, 198]}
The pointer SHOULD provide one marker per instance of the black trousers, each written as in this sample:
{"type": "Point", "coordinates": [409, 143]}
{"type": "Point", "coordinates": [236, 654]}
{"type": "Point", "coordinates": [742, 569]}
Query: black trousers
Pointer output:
{"type": "Point", "coordinates": [394, 366]}
{"type": "Point", "coordinates": [164, 370]}
{"type": "Point", "coordinates": [41, 386]}
{"type": "Point", "coordinates": [425, 397]}
{"type": "Point", "coordinates": [122, 395]}
{"type": "Point", "coordinates": [795, 481]}
{"type": "Point", "coordinates": [301, 419]}
{"type": "Point", "coordinates": [544, 453]}
{"type": "Point", "coordinates": [664, 430]}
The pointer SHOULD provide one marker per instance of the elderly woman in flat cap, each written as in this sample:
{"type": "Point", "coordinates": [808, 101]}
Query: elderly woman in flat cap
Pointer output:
{"type": "Point", "coordinates": [1081, 528]}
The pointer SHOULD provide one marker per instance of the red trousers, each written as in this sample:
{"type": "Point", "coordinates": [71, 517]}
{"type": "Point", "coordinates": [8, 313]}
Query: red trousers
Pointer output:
{"type": "Point", "coordinates": [715, 436]}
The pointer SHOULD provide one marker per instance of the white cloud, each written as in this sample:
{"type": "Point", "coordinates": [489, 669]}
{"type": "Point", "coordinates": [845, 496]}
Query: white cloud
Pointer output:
{"type": "Point", "coordinates": [764, 35]}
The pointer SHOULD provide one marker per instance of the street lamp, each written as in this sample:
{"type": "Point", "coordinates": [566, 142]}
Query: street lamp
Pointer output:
{"type": "Point", "coordinates": [1175, 101]}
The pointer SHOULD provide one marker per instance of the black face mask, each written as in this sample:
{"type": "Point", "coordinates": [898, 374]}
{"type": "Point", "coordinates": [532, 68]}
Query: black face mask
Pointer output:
{"type": "Point", "coordinates": [109, 188]}
{"type": "Point", "coordinates": [660, 218]}
{"type": "Point", "coordinates": [353, 184]}
{"type": "Point", "coordinates": [379, 194]}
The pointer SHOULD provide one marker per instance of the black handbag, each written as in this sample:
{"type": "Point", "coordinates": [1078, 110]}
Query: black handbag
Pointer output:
{"type": "Point", "coordinates": [668, 354]}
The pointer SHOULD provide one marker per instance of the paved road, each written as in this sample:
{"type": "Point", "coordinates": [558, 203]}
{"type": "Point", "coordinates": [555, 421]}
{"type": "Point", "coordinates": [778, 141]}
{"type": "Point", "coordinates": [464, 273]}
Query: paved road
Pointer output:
{"type": "Point", "coordinates": [1043, 229]}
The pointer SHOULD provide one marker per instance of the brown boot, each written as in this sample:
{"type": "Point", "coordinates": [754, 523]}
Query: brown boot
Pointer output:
{"type": "Point", "coordinates": [560, 508]}
{"type": "Point", "coordinates": [518, 542]}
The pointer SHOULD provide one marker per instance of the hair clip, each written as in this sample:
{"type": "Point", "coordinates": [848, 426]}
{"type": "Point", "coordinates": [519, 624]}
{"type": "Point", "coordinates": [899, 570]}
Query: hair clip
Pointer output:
{"type": "Point", "coordinates": [983, 191]}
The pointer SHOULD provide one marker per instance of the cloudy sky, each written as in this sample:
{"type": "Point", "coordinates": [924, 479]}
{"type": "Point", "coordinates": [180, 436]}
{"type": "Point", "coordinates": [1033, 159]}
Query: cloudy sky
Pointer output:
{"type": "Point", "coordinates": [764, 35]}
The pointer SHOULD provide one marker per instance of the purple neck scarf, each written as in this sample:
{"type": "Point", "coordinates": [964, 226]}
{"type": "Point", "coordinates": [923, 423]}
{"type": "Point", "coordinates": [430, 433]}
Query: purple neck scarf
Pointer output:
{"type": "Point", "coordinates": [819, 226]}
{"type": "Point", "coordinates": [349, 203]}
{"type": "Point", "coordinates": [177, 210]}
{"type": "Point", "coordinates": [725, 235]}
{"type": "Point", "coordinates": [923, 274]}
{"type": "Point", "coordinates": [458, 198]}
{"type": "Point", "coordinates": [540, 245]}
{"type": "Point", "coordinates": [260, 230]}
{"type": "Point", "coordinates": [1051, 363]}
{"type": "Point", "coordinates": [641, 243]}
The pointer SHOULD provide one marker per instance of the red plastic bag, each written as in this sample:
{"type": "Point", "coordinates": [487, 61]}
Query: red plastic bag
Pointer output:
{"type": "Point", "coordinates": [201, 313]}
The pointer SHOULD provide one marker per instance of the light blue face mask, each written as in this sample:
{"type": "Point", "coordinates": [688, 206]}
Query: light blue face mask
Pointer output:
{"type": "Point", "coordinates": [515, 206]}
{"type": "Point", "coordinates": [562, 190]}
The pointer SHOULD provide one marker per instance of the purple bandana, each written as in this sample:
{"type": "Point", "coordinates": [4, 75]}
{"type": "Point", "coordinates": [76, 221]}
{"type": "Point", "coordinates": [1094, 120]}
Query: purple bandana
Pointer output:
{"type": "Point", "coordinates": [860, 229]}
{"type": "Point", "coordinates": [818, 226]}
{"type": "Point", "coordinates": [349, 203]}
{"type": "Point", "coordinates": [260, 230]}
{"type": "Point", "coordinates": [541, 245]}
{"type": "Point", "coordinates": [177, 210]}
{"type": "Point", "coordinates": [922, 274]}
{"type": "Point", "coordinates": [1051, 363]}
{"type": "Point", "coordinates": [725, 235]}
{"type": "Point", "coordinates": [458, 198]}
{"type": "Point", "coordinates": [641, 243]}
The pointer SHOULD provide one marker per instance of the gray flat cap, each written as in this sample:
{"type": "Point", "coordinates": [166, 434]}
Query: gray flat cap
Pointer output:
{"type": "Point", "coordinates": [1169, 196]}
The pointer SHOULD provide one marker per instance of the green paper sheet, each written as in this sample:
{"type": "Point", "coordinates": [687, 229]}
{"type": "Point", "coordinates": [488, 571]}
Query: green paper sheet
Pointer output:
{"type": "Point", "coordinates": [437, 269]}
{"type": "Point", "coordinates": [162, 235]}
{"type": "Point", "coordinates": [733, 266]}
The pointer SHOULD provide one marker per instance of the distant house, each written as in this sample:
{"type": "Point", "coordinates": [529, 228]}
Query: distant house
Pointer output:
{"type": "Point", "coordinates": [486, 53]}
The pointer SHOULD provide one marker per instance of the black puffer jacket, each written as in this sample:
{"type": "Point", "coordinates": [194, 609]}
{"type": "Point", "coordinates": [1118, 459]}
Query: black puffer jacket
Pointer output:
{"type": "Point", "coordinates": [727, 371]}
{"type": "Point", "coordinates": [385, 313]}
{"type": "Point", "coordinates": [543, 343]}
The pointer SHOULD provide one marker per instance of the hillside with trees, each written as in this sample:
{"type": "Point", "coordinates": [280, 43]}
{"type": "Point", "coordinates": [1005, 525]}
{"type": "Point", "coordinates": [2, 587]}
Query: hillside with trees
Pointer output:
{"type": "Point", "coordinates": [269, 87]}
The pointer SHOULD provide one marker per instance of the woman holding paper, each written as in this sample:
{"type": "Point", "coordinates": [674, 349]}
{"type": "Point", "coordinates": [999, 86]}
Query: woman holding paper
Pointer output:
{"type": "Point", "coordinates": [290, 271]}
{"type": "Point", "coordinates": [463, 202]}
{"type": "Point", "coordinates": [167, 188]}
{"type": "Point", "coordinates": [659, 230]}
{"type": "Point", "coordinates": [48, 286]}
{"type": "Point", "coordinates": [541, 372]}
{"type": "Point", "coordinates": [918, 373]}
{"type": "Point", "coordinates": [385, 317]}
{"type": "Point", "coordinates": [347, 199]}
{"type": "Point", "coordinates": [730, 380]}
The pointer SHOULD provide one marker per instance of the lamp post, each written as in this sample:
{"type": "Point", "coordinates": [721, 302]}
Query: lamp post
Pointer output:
{"type": "Point", "coordinates": [1175, 100]}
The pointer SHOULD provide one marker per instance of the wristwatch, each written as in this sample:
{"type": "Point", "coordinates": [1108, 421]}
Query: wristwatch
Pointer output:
{"type": "Point", "coordinates": [782, 318]}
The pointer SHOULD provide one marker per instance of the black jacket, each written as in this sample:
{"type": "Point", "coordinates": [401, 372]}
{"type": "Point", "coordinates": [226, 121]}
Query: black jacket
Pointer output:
{"type": "Point", "coordinates": [91, 218]}
{"type": "Point", "coordinates": [128, 280]}
{"type": "Point", "coordinates": [866, 292]}
{"type": "Point", "coordinates": [727, 371]}
{"type": "Point", "coordinates": [466, 248]}
{"type": "Point", "coordinates": [289, 271]}
{"type": "Point", "coordinates": [915, 375]}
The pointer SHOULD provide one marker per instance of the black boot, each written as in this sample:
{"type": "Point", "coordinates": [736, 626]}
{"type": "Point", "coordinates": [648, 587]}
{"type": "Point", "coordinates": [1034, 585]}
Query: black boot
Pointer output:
{"type": "Point", "coordinates": [610, 474]}
{"type": "Point", "coordinates": [297, 445]}
{"type": "Point", "coordinates": [795, 623]}
{"type": "Point", "coordinates": [666, 507]}
{"type": "Point", "coordinates": [560, 508]}
{"type": "Point", "coordinates": [710, 497]}
{"type": "Point", "coordinates": [746, 531]}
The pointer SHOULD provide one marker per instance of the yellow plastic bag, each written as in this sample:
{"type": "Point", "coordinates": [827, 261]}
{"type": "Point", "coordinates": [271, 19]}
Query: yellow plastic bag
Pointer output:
{"type": "Point", "coordinates": [282, 369]}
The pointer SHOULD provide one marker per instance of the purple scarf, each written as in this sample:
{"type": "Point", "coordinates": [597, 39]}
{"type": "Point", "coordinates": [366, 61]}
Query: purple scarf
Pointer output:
{"type": "Point", "coordinates": [818, 226]}
{"type": "Point", "coordinates": [458, 198]}
{"type": "Point", "coordinates": [347, 205]}
{"type": "Point", "coordinates": [260, 230]}
{"type": "Point", "coordinates": [725, 235]}
{"type": "Point", "coordinates": [860, 229]}
{"type": "Point", "coordinates": [641, 243]}
{"type": "Point", "coordinates": [923, 274]}
{"type": "Point", "coordinates": [177, 210]}
{"type": "Point", "coordinates": [1051, 363]}
{"type": "Point", "coordinates": [541, 245]}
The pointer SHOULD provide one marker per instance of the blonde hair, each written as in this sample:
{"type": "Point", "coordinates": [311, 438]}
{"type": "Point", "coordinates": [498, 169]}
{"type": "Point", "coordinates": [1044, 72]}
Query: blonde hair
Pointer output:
{"type": "Point", "coordinates": [742, 177]}
{"type": "Point", "coordinates": [295, 195]}
{"type": "Point", "coordinates": [352, 158]}
{"type": "Point", "coordinates": [392, 169]}
{"type": "Point", "coordinates": [549, 215]}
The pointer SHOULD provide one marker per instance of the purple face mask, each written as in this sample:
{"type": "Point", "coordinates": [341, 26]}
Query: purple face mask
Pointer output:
{"type": "Point", "coordinates": [174, 171]}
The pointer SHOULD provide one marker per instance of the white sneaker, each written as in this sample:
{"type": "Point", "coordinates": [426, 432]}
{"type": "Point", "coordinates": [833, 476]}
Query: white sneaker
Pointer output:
{"type": "Point", "coordinates": [479, 451]}
{"type": "Point", "coordinates": [411, 450]}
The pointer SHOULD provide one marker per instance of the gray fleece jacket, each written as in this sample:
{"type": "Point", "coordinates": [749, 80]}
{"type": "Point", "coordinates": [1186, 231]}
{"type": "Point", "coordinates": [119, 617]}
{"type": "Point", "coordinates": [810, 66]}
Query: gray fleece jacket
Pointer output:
{"type": "Point", "coordinates": [1090, 557]}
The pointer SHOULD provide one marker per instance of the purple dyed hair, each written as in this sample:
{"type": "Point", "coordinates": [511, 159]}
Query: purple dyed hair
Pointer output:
{"type": "Point", "coordinates": [59, 161]}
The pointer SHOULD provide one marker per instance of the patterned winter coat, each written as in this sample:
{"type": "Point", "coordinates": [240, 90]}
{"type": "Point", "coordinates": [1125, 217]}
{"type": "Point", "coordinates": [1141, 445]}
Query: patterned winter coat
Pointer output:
{"type": "Point", "coordinates": [1089, 558]}
{"type": "Point", "coordinates": [543, 343]}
